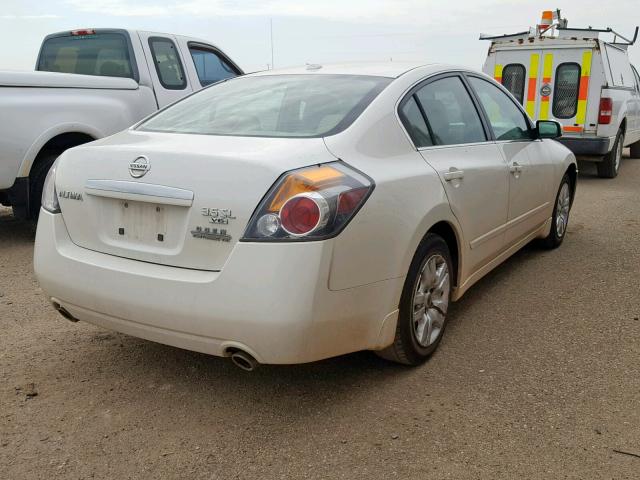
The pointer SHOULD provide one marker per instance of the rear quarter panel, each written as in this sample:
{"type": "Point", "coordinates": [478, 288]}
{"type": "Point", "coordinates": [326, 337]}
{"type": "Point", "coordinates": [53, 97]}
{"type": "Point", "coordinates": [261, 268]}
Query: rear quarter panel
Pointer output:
{"type": "Point", "coordinates": [408, 199]}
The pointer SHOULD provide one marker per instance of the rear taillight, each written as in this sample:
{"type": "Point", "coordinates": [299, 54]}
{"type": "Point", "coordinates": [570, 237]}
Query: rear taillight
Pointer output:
{"type": "Point", "coordinates": [312, 203]}
{"type": "Point", "coordinates": [606, 111]}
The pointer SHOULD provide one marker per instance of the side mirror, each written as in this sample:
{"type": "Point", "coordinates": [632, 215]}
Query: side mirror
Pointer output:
{"type": "Point", "coordinates": [548, 129]}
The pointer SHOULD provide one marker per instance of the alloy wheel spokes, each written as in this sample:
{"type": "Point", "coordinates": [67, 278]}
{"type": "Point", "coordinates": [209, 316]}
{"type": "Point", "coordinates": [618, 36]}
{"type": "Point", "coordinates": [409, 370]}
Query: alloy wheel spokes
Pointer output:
{"type": "Point", "coordinates": [431, 300]}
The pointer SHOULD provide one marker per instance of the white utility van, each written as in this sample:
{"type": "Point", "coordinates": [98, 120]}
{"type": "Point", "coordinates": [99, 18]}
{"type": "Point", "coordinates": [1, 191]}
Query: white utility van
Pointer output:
{"type": "Point", "coordinates": [573, 76]}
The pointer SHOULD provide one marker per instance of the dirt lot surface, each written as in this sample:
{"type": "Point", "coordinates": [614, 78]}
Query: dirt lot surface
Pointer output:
{"type": "Point", "coordinates": [538, 376]}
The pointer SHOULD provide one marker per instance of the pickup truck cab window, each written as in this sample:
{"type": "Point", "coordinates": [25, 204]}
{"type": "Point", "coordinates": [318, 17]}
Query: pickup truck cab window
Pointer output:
{"type": "Point", "coordinates": [210, 66]}
{"type": "Point", "coordinates": [507, 120]}
{"type": "Point", "coordinates": [100, 54]}
{"type": "Point", "coordinates": [167, 62]}
{"type": "Point", "coordinates": [450, 113]}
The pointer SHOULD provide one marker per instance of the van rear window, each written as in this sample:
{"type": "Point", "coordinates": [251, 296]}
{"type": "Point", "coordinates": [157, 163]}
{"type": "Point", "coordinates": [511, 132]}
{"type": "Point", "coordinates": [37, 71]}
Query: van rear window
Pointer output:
{"type": "Point", "coordinates": [99, 54]}
{"type": "Point", "coordinates": [565, 96]}
{"type": "Point", "coordinates": [513, 76]}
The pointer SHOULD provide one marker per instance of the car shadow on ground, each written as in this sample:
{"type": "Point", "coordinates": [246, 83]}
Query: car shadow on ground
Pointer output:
{"type": "Point", "coordinates": [13, 230]}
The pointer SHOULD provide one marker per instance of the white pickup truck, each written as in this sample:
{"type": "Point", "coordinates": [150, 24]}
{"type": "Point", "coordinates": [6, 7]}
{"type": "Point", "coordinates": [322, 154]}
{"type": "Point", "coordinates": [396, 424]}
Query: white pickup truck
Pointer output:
{"type": "Point", "coordinates": [90, 84]}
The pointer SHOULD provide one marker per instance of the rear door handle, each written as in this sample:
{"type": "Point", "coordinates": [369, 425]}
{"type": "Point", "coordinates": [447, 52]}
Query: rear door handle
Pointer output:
{"type": "Point", "coordinates": [453, 174]}
{"type": "Point", "coordinates": [515, 168]}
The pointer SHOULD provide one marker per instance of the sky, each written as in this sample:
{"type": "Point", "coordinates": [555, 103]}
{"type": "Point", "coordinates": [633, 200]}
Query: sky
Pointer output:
{"type": "Point", "coordinates": [306, 31]}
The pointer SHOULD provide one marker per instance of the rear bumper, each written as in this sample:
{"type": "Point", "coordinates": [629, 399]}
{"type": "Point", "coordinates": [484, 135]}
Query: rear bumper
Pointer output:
{"type": "Point", "coordinates": [271, 300]}
{"type": "Point", "coordinates": [594, 146]}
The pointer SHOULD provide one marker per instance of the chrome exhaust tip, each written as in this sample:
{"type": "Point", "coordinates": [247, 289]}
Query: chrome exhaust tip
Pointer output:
{"type": "Point", "coordinates": [244, 361]}
{"type": "Point", "coordinates": [63, 311]}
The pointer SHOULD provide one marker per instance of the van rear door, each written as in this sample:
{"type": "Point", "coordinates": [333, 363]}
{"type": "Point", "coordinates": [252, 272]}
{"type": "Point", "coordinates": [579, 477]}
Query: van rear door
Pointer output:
{"type": "Point", "coordinates": [555, 86]}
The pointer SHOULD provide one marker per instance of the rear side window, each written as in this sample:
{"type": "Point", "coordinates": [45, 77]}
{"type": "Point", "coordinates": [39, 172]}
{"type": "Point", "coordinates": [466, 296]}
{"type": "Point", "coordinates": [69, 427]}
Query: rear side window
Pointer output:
{"type": "Point", "coordinates": [451, 114]}
{"type": "Point", "coordinates": [415, 123]}
{"type": "Point", "coordinates": [513, 76]}
{"type": "Point", "coordinates": [167, 62]}
{"type": "Point", "coordinates": [99, 54]}
{"type": "Point", "coordinates": [211, 68]}
{"type": "Point", "coordinates": [565, 96]}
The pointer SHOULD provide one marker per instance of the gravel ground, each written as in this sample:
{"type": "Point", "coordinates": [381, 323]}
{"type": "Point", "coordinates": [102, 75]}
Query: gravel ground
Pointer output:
{"type": "Point", "coordinates": [537, 377]}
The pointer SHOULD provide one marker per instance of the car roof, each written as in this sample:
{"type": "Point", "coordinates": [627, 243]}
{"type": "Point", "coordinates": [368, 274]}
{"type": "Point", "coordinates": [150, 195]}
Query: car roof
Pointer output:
{"type": "Point", "coordinates": [376, 69]}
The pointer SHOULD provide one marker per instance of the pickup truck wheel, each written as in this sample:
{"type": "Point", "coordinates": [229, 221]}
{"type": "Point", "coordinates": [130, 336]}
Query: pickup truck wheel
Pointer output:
{"type": "Point", "coordinates": [635, 150]}
{"type": "Point", "coordinates": [609, 166]}
{"type": "Point", "coordinates": [560, 218]}
{"type": "Point", "coordinates": [423, 304]}
{"type": "Point", "coordinates": [36, 183]}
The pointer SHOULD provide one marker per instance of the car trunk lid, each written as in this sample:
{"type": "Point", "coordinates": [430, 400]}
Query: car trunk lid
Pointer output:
{"type": "Point", "coordinates": [172, 199]}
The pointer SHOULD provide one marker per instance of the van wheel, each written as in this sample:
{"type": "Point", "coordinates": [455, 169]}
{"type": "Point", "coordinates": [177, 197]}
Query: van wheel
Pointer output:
{"type": "Point", "coordinates": [635, 150]}
{"type": "Point", "coordinates": [609, 166]}
{"type": "Point", "coordinates": [36, 184]}
{"type": "Point", "coordinates": [423, 305]}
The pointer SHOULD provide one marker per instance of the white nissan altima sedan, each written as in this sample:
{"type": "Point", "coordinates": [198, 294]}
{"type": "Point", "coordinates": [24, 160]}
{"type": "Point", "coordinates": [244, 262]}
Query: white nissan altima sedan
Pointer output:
{"type": "Point", "coordinates": [289, 216]}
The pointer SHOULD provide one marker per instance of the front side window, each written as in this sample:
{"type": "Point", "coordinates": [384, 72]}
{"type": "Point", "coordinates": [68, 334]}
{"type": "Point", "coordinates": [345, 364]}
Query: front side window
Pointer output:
{"type": "Point", "coordinates": [513, 77]}
{"type": "Point", "coordinates": [167, 62]}
{"type": "Point", "coordinates": [211, 68]}
{"type": "Point", "coordinates": [99, 54]}
{"type": "Point", "coordinates": [302, 106]}
{"type": "Point", "coordinates": [450, 112]}
{"type": "Point", "coordinates": [507, 120]}
{"type": "Point", "coordinates": [565, 97]}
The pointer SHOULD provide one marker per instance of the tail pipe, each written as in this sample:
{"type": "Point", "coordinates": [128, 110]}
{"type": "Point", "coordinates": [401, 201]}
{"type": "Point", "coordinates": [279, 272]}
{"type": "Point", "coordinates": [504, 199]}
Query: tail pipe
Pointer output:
{"type": "Point", "coordinates": [64, 312]}
{"type": "Point", "coordinates": [244, 360]}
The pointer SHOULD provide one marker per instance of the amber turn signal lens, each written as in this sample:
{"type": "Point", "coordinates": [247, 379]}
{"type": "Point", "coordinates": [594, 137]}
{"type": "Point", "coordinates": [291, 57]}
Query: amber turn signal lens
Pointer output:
{"type": "Point", "coordinates": [305, 181]}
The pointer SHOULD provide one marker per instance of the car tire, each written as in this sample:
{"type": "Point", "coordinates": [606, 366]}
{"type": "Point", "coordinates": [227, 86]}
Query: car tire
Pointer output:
{"type": "Point", "coordinates": [635, 150]}
{"type": "Point", "coordinates": [36, 184]}
{"type": "Point", "coordinates": [610, 165]}
{"type": "Point", "coordinates": [560, 218]}
{"type": "Point", "coordinates": [424, 302]}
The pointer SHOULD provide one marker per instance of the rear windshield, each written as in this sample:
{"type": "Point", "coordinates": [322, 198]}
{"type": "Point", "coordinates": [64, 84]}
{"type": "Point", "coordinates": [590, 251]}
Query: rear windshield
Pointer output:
{"type": "Point", "coordinates": [272, 106]}
{"type": "Point", "coordinates": [101, 54]}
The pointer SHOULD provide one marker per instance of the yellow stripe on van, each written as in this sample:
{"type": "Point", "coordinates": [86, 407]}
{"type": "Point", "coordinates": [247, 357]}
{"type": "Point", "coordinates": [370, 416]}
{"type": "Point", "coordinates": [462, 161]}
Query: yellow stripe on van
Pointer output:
{"type": "Point", "coordinates": [533, 80]}
{"type": "Point", "coordinates": [581, 114]}
{"type": "Point", "coordinates": [497, 73]}
{"type": "Point", "coordinates": [547, 72]}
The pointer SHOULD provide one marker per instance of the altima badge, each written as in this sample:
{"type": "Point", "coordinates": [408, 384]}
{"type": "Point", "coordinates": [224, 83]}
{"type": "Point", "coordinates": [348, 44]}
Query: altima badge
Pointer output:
{"type": "Point", "coordinates": [70, 195]}
{"type": "Point", "coordinates": [211, 234]}
{"type": "Point", "coordinates": [139, 167]}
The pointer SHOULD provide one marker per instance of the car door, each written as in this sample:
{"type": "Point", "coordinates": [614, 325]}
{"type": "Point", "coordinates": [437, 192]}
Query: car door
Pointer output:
{"type": "Point", "coordinates": [455, 142]}
{"type": "Point", "coordinates": [166, 67]}
{"type": "Point", "coordinates": [531, 170]}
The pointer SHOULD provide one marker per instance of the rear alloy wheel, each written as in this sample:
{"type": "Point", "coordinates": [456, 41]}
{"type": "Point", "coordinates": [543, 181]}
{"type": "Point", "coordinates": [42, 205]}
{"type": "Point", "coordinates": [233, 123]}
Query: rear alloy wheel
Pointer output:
{"type": "Point", "coordinates": [610, 165]}
{"type": "Point", "coordinates": [560, 219]}
{"type": "Point", "coordinates": [423, 305]}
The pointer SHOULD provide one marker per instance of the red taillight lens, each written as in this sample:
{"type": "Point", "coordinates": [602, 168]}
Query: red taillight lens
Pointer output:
{"type": "Point", "coordinates": [300, 215]}
{"type": "Point", "coordinates": [349, 201]}
{"type": "Point", "coordinates": [606, 111]}
{"type": "Point", "coordinates": [311, 203]}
